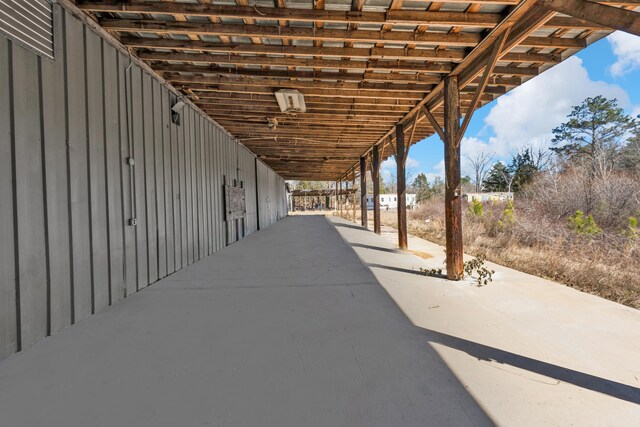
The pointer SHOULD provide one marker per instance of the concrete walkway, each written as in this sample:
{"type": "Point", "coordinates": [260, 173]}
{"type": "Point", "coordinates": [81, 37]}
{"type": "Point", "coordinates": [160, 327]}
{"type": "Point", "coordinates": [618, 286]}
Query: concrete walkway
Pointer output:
{"type": "Point", "coordinates": [285, 328]}
{"type": "Point", "coordinates": [530, 351]}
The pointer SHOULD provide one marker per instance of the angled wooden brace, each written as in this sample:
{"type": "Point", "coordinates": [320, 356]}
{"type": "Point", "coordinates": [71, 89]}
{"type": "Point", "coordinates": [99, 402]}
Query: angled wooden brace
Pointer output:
{"type": "Point", "coordinates": [491, 63]}
{"type": "Point", "coordinates": [434, 123]}
{"type": "Point", "coordinates": [601, 14]}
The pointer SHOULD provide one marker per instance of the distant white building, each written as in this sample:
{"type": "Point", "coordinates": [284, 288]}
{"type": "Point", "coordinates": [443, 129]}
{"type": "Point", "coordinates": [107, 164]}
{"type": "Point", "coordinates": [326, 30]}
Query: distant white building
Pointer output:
{"type": "Point", "coordinates": [390, 201]}
{"type": "Point", "coordinates": [497, 196]}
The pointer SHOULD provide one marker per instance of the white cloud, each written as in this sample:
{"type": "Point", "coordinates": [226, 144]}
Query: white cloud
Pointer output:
{"type": "Point", "coordinates": [388, 167]}
{"type": "Point", "coordinates": [436, 171]}
{"type": "Point", "coordinates": [528, 114]}
{"type": "Point", "coordinates": [626, 47]}
{"type": "Point", "coordinates": [412, 163]}
{"type": "Point", "coordinates": [470, 148]}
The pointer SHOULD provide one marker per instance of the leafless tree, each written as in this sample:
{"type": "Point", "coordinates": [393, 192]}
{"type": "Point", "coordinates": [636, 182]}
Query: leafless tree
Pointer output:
{"type": "Point", "coordinates": [541, 156]}
{"type": "Point", "coordinates": [480, 162]}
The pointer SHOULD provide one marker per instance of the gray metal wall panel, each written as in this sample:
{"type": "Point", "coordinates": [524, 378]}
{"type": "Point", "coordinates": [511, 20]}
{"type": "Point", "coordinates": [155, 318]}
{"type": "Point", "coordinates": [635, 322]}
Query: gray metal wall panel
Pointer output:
{"type": "Point", "coordinates": [197, 196]}
{"type": "Point", "coordinates": [167, 181]}
{"type": "Point", "coordinates": [158, 150]}
{"type": "Point", "coordinates": [176, 131]}
{"type": "Point", "coordinates": [202, 189]}
{"type": "Point", "coordinates": [8, 326]}
{"type": "Point", "coordinates": [97, 174]}
{"type": "Point", "coordinates": [78, 177]}
{"type": "Point", "coordinates": [188, 128]}
{"type": "Point", "coordinates": [150, 178]}
{"type": "Point", "coordinates": [76, 121]}
{"type": "Point", "coordinates": [218, 189]}
{"type": "Point", "coordinates": [126, 179]}
{"type": "Point", "coordinates": [207, 177]}
{"type": "Point", "coordinates": [56, 186]}
{"type": "Point", "coordinates": [183, 195]}
{"type": "Point", "coordinates": [114, 171]}
{"type": "Point", "coordinates": [140, 199]}
{"type": "Point", "coordinates": [29, 207]}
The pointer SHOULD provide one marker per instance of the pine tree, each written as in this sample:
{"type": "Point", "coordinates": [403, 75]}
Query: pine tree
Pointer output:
{"type": "Point", "coordinates": [421, 187]}
{"type": "Point", "coordinates": [523, 169]}
{"type": "Point", "coordinates": [499, 178]}
{"type": "Point", "coordinates": [594, 134]}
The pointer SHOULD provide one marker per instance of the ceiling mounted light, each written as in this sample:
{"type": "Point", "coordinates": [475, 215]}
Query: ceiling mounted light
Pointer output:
{"type": "Point", "coordinates": [290, 101]}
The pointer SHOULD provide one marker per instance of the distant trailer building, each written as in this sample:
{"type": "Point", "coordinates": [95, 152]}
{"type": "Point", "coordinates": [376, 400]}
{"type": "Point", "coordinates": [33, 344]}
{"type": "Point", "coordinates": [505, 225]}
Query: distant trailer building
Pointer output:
{"type": "Point", "coordinates": [498, 196]}
{"type": "Point", "coordinates": [390, 201]}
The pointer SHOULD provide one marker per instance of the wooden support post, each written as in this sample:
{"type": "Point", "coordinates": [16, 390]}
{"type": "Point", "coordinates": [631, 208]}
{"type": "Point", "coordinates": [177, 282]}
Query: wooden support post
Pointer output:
{"type": "Point", "coordinates": [375, 177]}
{"type": "Point", "coordinates": [340, 197]}
{"type": "Point", "coordinates": [346, 198]}
{"type": "Point", "coordinates": [353, 195]}
{"type": "Point", "coordinates": [335, 198]}
{"type": "Point", "coordinates": [452, 194]}
{"type": "Point", "coordinates": [401, 160]}
{"type": "Point", "coordinates": [363, 191]}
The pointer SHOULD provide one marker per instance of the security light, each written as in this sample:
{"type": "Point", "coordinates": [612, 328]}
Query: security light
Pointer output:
{"type": "Point", "coordinates": [290, 101]}
{"type": "Point", "coordinates": [175, 112]}
{"type": "Point", "coordinates": [177, 107]}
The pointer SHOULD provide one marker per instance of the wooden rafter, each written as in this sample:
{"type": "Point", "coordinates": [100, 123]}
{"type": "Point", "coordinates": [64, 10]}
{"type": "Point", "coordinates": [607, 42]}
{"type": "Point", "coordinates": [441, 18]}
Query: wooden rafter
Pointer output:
{"type": "Point", "coordinates": [601, 14]}
{"type": "Point", "coordinates": [361, 70]}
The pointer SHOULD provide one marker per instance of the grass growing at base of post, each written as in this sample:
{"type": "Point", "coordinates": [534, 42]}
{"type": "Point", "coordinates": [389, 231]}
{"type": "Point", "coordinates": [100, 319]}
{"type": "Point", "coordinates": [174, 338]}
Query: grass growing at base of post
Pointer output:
{"type": "Point", "coordinates": [474, 268]}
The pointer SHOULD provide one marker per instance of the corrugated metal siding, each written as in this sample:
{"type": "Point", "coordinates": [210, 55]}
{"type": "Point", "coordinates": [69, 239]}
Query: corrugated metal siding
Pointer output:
{"type": "Point", "coordinates": [28, 23]}
{"type": "Point", "coordinates": [272, 202]}
{"type": "Point", "coordinates": [67, 192]}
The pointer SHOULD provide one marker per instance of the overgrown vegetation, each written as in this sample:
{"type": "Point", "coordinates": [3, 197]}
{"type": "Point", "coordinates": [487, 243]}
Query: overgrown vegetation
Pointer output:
{"type": "Point", "coordinates": [574, 216]}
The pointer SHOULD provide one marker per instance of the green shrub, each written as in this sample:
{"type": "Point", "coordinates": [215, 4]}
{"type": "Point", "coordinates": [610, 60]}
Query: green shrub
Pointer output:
{"type": "Point", "coordinates": [584, 225]}
{"type": "Point", "coordinates": [508, 216]}
{"type": "Point", "coordinates": [476, 207]}
{"type": "Point", "coordinates": [632, 230]}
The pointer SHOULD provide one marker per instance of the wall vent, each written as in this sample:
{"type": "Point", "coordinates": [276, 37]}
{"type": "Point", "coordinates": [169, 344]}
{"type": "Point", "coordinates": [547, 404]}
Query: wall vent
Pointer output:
{"type": "Point", "coordinates": [28, 23]}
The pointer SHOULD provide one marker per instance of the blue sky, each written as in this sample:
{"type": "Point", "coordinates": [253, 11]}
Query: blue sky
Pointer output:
{"type": "Point", "coordinates": [526, 115]}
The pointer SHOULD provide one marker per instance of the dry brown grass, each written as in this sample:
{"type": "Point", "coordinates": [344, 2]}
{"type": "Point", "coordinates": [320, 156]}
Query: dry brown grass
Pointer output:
{"type": "Point", "coordinates": [604, 265]}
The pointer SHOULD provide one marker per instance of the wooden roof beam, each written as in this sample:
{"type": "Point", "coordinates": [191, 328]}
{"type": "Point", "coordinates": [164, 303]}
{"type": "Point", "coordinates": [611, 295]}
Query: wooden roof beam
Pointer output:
{"type": "Point", "coordinates": [487, 20]}
{"type": "Point", "coordinates": [287, 83]}
{"type": "Point", "coordinates": [315, 99]}
{"type": "Point", "coordinates": [607, 16]}
{"type": "Point", "coordinates": [382, 65]}
{"type": "Point", "coordinates": [172, 27]}
{"type": "Point", "coordinates": [378, 53]}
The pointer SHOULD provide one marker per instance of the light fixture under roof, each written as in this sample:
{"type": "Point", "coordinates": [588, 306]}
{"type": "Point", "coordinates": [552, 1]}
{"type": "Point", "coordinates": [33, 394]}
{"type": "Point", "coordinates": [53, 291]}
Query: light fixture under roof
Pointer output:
{"type": "Point", "coordinates": [290, 101]}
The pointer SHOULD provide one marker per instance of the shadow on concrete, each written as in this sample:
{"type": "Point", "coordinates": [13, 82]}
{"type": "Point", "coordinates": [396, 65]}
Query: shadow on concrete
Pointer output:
{"type": "Point", "coordinates": [354, 226]}
{"type": "Point", "coordinates": [577, 378]}
{"type": "Point", "coordinates": [483, 352]}
{"type": "Point", "coordinates": [398, 269]}
{"type": "Point", "coordinates": [375, 248]}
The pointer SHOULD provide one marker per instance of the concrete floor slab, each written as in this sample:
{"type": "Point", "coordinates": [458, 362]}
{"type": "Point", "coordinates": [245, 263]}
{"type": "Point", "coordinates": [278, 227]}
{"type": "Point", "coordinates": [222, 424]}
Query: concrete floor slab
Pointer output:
{"type": "Point", "coordinates": [284, 328]}
{"type": "Point", "coordinates": [530, 351]}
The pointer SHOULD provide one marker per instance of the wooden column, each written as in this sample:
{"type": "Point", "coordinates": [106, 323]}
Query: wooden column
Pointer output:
{"type": "Point", "coordinates": [345, 198]}
{"type": "Point", "coordinates": [401, 159]}
{"type": "Point", "coordinates": [452, 192]}
{"type": "Point", "coordinates": [375, 176]}
{"type": "Point", "coordinates": [340, 197]}
{"type": "Point", "coordinates": [353, 195]}
{"type": "Point", "coordinates": [363, 191]}
{"type": "Point", "coordinates": [335, 197]}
